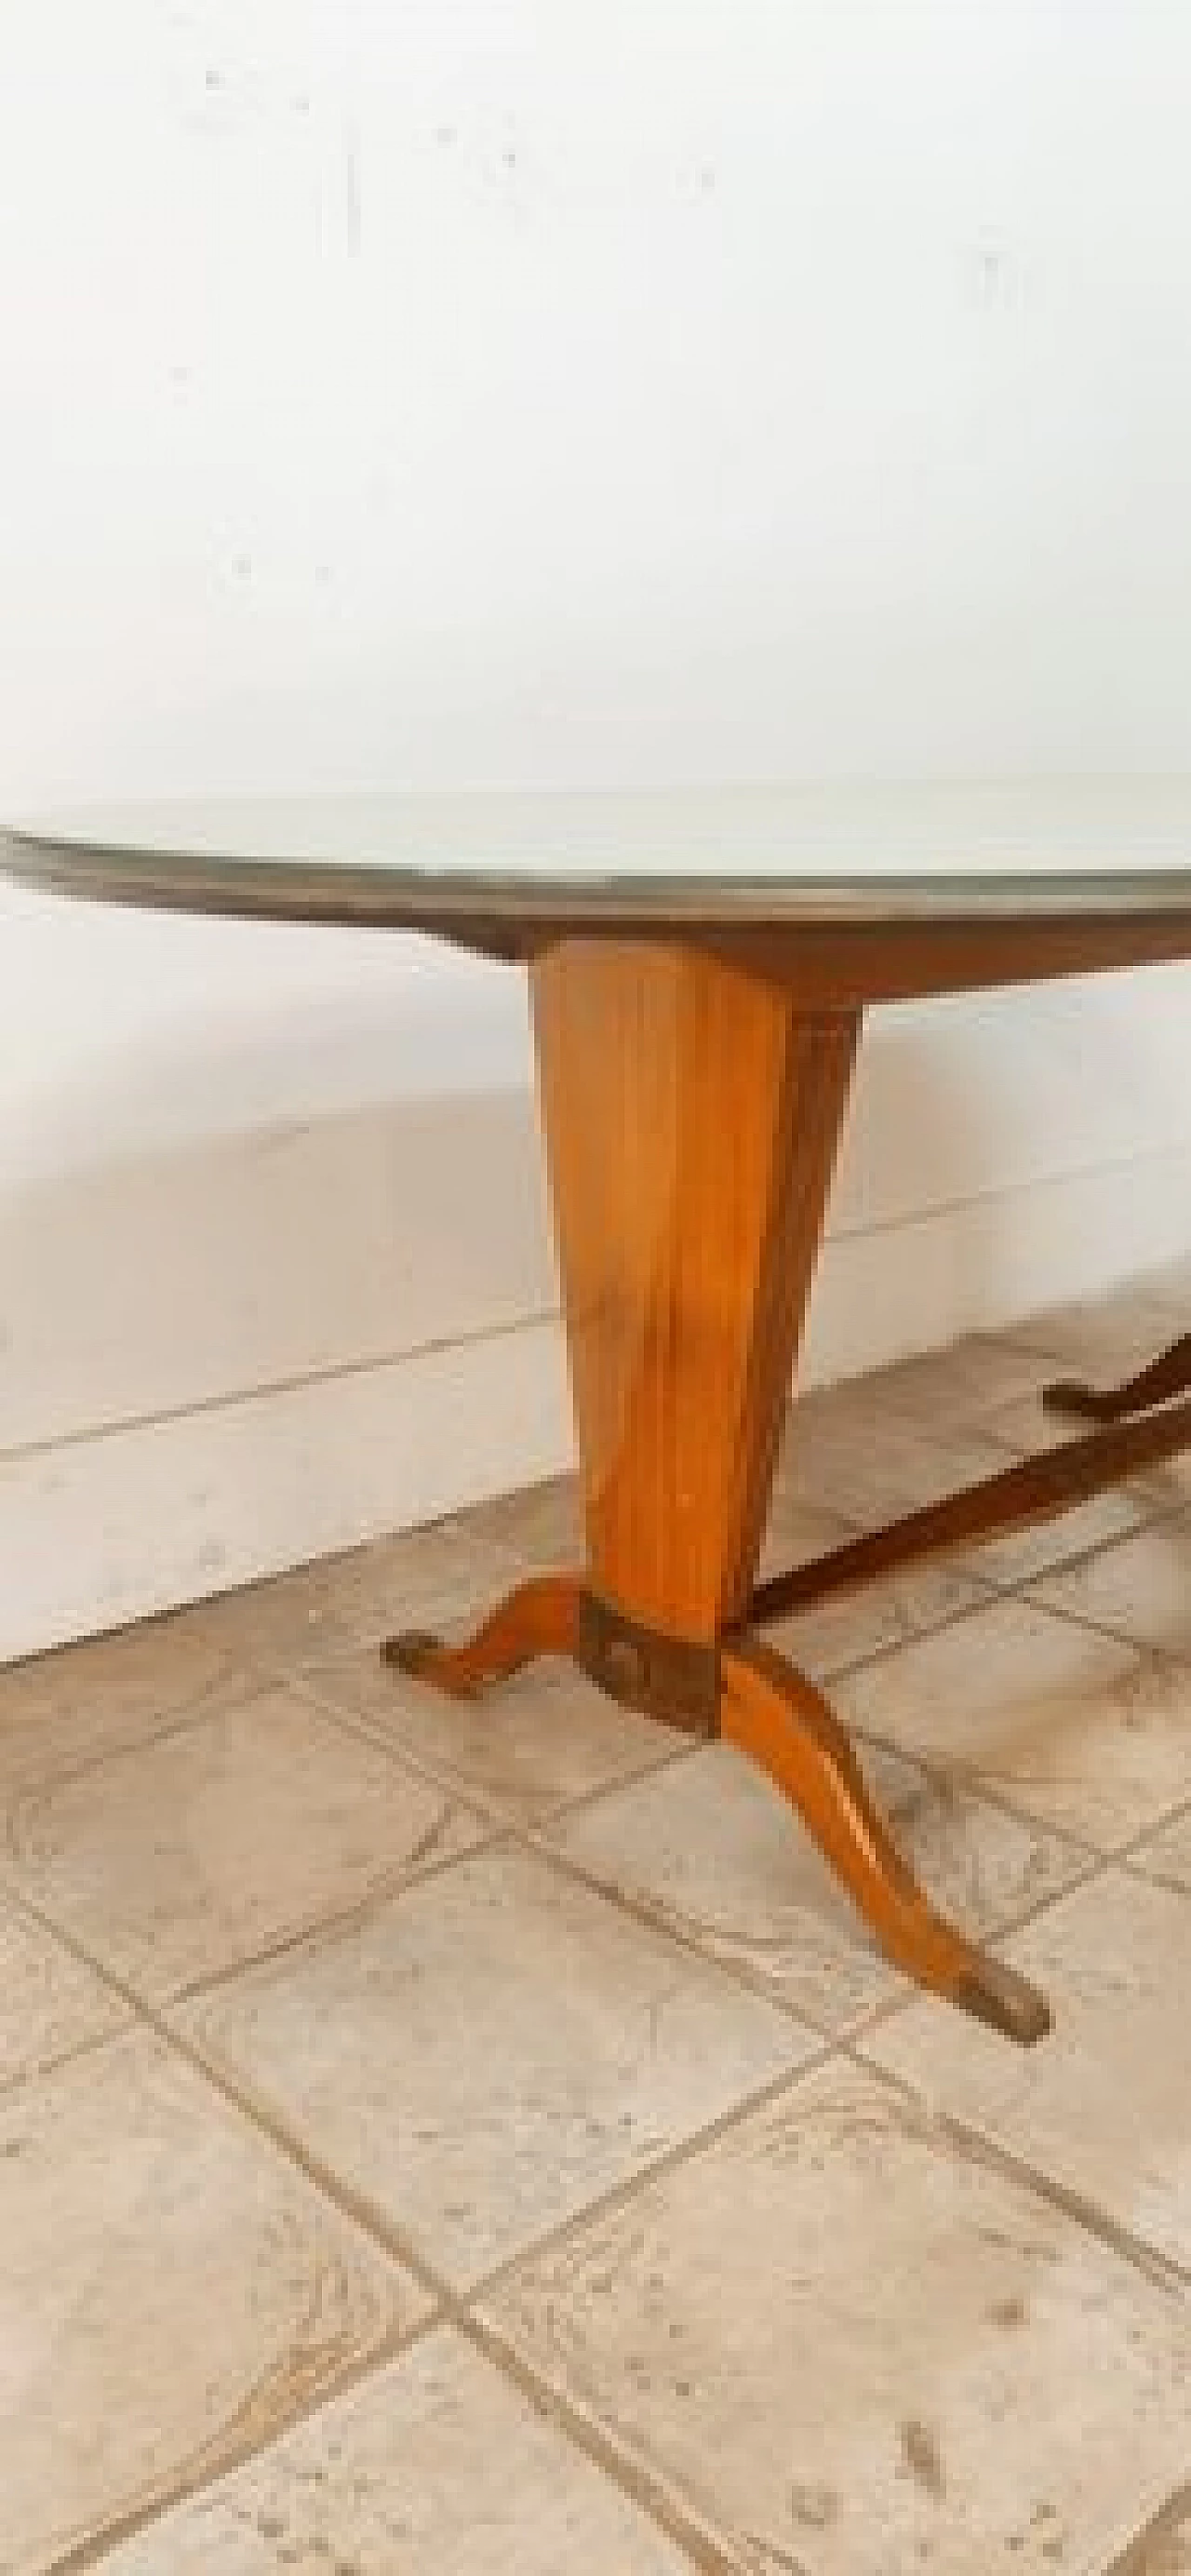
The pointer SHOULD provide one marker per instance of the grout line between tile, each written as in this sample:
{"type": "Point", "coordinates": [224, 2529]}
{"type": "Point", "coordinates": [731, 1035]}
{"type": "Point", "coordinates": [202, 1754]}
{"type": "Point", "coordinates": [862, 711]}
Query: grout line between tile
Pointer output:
{"type": "Point", "coordinates": [308, 1935]}
{"type": "Point", "coordinates": [619, 2195]}
{"type": "Point", "coordinates": [1151, 1518]}
{"type": "Point", "coordinates": [650, 2492]}
{"type": "Point", "coordinates": [991, 1594]}
{"type": "Point", "coordinates": [1157, 1877]}
{"type": "Point", "coordinates": [1149, 1833]}
{"type": "Point", "coordinates": [11, 2086]}
{"type": "Point", "coordinates": [828, 1676]}
{"type": "Point", "coordinates": [986, 1791]}
{"type": "Point", "coordinates": [487, 1804]}
{"type": "Point", "coordinates": [981, 2146]}
{"type": "Point", "coordinates": [668, 1758]}
{"type": "Point", "coordinates": [1166, 2274]}
{"type": "Point", "coordinates": [654, 1919]}
{"type": "Point", "coordinates": [240, 2098]}
{"type": "Point", "coordinates": [226, 1700]}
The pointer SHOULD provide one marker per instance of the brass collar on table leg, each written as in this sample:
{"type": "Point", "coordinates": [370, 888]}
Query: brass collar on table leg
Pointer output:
{"type": "Point", "coordinates": [668, 1678]}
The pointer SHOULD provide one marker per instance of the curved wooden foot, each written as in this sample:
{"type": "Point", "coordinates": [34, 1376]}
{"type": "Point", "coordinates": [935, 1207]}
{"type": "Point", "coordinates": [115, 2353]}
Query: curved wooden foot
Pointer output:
{"type": "Point", "coordinates": [775, 1715]}
{"type": "Point", "coordinates": [540, 1617]}
{"type": "Point", "coordinates": [1165, 1377]}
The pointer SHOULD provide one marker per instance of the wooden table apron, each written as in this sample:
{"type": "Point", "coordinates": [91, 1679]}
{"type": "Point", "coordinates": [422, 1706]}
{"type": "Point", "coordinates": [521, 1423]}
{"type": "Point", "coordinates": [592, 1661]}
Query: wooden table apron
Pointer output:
{"type": "Point", "coordinates": [695, 1053]}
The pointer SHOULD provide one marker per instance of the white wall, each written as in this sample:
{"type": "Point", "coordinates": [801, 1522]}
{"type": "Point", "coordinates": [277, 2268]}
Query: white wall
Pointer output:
{"type": "Point", "coordinates": [533, 394]}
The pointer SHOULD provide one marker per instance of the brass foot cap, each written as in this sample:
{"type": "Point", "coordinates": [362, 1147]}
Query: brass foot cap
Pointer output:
{"type": "Point", "coordinates": [1008, 2003]}
{"type": "Point", "coordinates": [411, 1652]}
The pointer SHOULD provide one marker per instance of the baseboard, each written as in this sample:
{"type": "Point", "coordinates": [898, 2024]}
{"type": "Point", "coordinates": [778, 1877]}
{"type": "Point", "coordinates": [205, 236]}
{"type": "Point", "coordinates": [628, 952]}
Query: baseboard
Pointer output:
{"type": "Point", "coordinates": [125, 1522]}
{"type": "Point", "coordinates": [993, 1261]}
{"type": "Point", "coordinates": [134, 1516]}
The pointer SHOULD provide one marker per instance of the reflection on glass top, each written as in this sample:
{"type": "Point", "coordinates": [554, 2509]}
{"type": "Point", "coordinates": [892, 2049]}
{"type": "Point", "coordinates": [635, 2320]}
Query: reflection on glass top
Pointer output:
{"type": "Point", "coordinates": [778, 852]}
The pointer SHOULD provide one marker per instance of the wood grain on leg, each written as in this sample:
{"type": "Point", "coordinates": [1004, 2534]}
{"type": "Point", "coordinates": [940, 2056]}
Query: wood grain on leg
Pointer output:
{"type": "Point", "coordinates": [692, 1114]}
{"type": "Point", "coordinates": [691, 1117]}
{"type": "Point", "coordinates": [776, 1716]}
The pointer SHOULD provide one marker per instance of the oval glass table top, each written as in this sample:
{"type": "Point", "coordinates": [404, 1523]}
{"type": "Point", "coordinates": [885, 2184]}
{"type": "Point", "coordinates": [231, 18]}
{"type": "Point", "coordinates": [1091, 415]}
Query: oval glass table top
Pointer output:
{"type": "Point", "coordinates": [500, 870]}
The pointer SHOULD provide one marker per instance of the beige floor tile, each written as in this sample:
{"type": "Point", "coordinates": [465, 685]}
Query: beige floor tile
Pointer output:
{"type": "Point", "coordinates": [1080, 1730]}
{"type": "Point", "coordinates": [797, 1531]}
{"type": "Point", "coordinates": [857, 2350]}
{"type": "Point", "coordinates": [1101, 1337]}
{"type": "Point", "coordinates": [1103, 2105]}
{"type": "Point", "coordinates": [492, 2051]}
{"type": "Point", "coordinates": [1140, 1589]}
{"type": "Point", "coordinates": [50, 2004]}
{"type": "Point", "coordinates": [1025, 1429]}
{"type": "Point", "coordinates": [957, 1388]}
{"type": "Point", "coordinates": [1167, 1854]}
{"type": "Point", "coordinates": [877, 1619]}
{"type": "Point", "coordinates": [1050, 1547]}
{"type": "Point", "coordinates": [172, 2291]}
{"type": "Point", "coordinates": [60, 1710]}
{"type": "Point", "coordinates": [1169, 1289]}
{"type": "Point", "coordinates": [540, 1530]}
{"type": "Point", "coordinates": [854, 1411]}
{"type": "Point", "coordinates": [437, 2463]}
{"type": "Point", "coordinates": [871, 1467]}
{"type": "Point", "coordinates": [187, 1855]}
{"type": "Point", "coordinates": [716, 1853]}
{"type": "Point", "coordinates": [530, 1745]}
{"type": "Point", "coordinates": [345, 1603]}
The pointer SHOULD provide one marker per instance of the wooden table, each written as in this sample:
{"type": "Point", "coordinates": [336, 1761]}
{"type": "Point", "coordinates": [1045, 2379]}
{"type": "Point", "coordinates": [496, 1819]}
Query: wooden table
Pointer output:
{"type": "Point", "coordinates": [698, 968]}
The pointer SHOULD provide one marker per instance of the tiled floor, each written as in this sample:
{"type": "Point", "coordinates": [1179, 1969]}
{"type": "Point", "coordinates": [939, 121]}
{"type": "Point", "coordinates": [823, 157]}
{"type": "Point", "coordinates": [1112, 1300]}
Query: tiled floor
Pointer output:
{"type": "Point", "coordinates": [483, 2139]}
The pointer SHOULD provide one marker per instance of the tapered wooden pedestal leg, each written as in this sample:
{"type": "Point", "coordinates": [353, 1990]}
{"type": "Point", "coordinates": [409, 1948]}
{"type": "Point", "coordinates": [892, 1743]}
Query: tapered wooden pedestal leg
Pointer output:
{"type": "Point", "coordinates": [692, 1112]}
